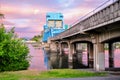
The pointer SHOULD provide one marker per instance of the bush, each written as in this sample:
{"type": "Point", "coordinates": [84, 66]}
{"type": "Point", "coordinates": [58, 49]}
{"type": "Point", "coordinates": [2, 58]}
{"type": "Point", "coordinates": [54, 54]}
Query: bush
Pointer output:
{"type": "Point", "coordinates": [13, 53]}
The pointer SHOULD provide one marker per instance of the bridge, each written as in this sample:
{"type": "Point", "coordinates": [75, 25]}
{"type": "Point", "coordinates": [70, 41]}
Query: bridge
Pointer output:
{"type": "Point", "coordinates": [54, 25]}
{"type": "Point", "coordinates": [102, 27]}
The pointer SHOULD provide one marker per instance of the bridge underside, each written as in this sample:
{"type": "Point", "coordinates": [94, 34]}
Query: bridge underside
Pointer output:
{"type": "Point", "coordinates": [93, 33]}
{"type": "Point", "coordinates": [87, 50]}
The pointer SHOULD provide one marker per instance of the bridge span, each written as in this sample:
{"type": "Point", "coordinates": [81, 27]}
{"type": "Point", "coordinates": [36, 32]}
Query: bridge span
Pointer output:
{"type": "Point", "coordinates": [103, 27]}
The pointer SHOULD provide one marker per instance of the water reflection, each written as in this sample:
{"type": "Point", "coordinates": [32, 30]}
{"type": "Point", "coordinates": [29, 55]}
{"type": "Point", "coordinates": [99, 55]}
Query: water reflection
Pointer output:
{"type": "Point", "coordinates": [54, 61]}
{"type": "Point", "coordinates": [116, 58]}
{"type": "Point", "coordinates": [51, 59]}
{"type": "Point", "coordinates": [61, 61]}
{"type": "Point", "coordinates": [44, 59]}
{"type": "Point", "coordinates": [37, 58]}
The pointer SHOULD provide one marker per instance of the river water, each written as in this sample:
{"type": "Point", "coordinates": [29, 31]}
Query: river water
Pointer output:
{"type": "Point", "coordinates": [40, 60]}
{"type": "Point", "coordinates": [37, 58]}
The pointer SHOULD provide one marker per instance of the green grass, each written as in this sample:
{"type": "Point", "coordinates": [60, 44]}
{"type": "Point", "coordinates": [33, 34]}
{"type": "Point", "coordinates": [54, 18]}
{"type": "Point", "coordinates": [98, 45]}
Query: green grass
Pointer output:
{"type": "Point", "coordinates": [69, 73]}
{"type": "Point", "coordinates": [55, 73]}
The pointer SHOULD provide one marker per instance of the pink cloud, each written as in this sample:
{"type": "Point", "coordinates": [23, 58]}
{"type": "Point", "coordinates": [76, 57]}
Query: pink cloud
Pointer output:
{"type": "Point", "coordinates": [19, 17]}
{"type": "Point", "coordinates": [31, 18]}
{"type": "Point", "coordinates": [19, 11]}
{"type": "Point", "coordinates": [7, 22]}
{"type": "Point", "coordinates": [74, 14]}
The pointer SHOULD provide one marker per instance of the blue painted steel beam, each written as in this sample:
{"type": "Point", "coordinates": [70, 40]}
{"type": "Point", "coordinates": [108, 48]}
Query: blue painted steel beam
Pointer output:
{"type": "Point", "coordinates": [52, 27]}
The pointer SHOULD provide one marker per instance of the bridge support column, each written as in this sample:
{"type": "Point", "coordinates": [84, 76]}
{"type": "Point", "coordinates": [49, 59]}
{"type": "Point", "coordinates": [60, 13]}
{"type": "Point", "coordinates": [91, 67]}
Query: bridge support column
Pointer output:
{"type": "Point", "coordinates": [74, 48]}
{"type": "Point", "coordinates": [53, 47]}
{"type": "Point", "coordinates": [79, 53]}
{"type": "Point", "coordinates": [99, 57]}
{"type": "Point", "coordinates": [63, 56]}
{"type": "Point", "coordinates": [111, 55]}
{"type": "Point", "coordinates": [60, 55]}
{"type": "Point", "coordinates": [60, 48]}
{"type": "Point", "coordinates": [70, 56]}
{"type": "Point", "coordinates": [90, 55]}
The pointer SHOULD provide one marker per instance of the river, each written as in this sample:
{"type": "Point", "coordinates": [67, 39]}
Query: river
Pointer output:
{"type": "Point", "coordinates": [37, 58]}
{"type": "Point", "coordinates": [40, 59]}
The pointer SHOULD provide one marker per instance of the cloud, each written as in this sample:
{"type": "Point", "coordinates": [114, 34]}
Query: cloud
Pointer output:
{"type": "Point", "coordinates": [11, 11]}
{"type": "Point", "coordinates": [28, 32]}
{"type": "Point", "coordinates": [83, 10]}
{"type": "Point", "coordinates": [6, 22]}
{"type": "Point", "coordinates": [29, 16]}
{"type": "Point", "coordinates": [97, 3]}
{"type": "Point", "coordinates": [66, 3]}
{"type": "Point", "coordinates": [74, 14]}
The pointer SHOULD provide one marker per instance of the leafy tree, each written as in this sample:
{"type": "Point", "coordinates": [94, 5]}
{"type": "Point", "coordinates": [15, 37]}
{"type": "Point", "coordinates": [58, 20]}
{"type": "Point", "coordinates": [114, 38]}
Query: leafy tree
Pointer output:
{"type": "Point", "coordinates": [37, 38]}
{"type": "Point", "coordinates": [13, 53]}
{"type": "Point", "coordinates": [1, 15]}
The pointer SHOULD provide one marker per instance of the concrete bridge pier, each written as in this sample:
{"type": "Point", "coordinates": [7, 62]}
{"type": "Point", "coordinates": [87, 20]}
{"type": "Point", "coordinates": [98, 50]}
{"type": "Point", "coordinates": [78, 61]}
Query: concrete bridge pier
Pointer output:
{"type": "Point", "coordinates": [53, 46]}
{"type": "Point", "coordinates": [99, 57]}
{"type": "Point", "coordinates": [90, 55]}
{"type": "Point", "coordinates": [70, 55]}
{"type": "Point", "coordinates": [63, 55]}
{"type": "Point", "coordinates": [74, 56]}
{"type": "Point", "coordinates": [60, 55]}
{"type": "Point", "coordinates": [79, 52]}
{"type": "Point", "coordinates": [111, 55]}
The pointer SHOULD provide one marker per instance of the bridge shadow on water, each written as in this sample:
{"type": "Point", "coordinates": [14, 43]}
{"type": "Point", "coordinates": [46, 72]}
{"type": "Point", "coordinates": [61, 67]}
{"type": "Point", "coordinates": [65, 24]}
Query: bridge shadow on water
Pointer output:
{"type": "Point", "coordinates": [43, 59]}
{"type": "Point", "coordinates": [55, 61]}
{"type": "Point", "coordinates": [61, 61]}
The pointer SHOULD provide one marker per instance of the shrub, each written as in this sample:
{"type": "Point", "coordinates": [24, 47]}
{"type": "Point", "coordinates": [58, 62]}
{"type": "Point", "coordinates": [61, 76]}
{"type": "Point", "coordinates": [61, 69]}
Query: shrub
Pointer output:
{"type": "Point", "coordinates": [13, 53]}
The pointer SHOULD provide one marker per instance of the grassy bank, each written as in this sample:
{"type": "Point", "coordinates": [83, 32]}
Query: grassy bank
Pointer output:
{"type": "Point", "coordinates": [56, 73]}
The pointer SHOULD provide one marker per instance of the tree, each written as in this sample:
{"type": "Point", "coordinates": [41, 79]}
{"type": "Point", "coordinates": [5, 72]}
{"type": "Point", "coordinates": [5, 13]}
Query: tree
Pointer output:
{"type": "Point", "coordinates": [1, 17]}
{"type": "Point", "coordinates": [13, 53]}
{"type": "Point", "coordinates": [37, 38]}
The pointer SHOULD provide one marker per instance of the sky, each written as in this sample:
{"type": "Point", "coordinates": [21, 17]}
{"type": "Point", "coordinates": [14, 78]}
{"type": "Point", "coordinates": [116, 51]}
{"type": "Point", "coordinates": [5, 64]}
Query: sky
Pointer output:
{"type": "Point", "coordinates": [29, 16]}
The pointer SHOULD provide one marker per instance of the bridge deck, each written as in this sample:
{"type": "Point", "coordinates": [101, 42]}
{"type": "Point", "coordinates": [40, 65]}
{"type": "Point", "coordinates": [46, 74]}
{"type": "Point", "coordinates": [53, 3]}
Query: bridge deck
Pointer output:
{"type": "Point", "coordinates": [107, 15]}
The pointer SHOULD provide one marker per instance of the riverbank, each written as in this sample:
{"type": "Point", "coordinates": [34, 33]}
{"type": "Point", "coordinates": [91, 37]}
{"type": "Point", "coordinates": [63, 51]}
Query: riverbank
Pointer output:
{"type": "Point", "coordinates": [55, 73]}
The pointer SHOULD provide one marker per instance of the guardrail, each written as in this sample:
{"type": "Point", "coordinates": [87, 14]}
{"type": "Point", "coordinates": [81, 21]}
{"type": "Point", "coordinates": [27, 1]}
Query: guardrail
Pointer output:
{"type": "Point", "coordinates": [96, 17]}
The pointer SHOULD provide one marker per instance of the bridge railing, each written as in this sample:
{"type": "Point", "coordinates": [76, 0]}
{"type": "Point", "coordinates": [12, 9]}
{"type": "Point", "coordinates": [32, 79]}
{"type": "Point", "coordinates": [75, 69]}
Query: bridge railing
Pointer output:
{"type": "Point", "coordinates": [67, 33]}
{"type": "Point", "coordinates": [92, 19]}
{"type": "Point", "coordinates": [103, 5]}
{"type": "Point", "coordinates": [103, 16]}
